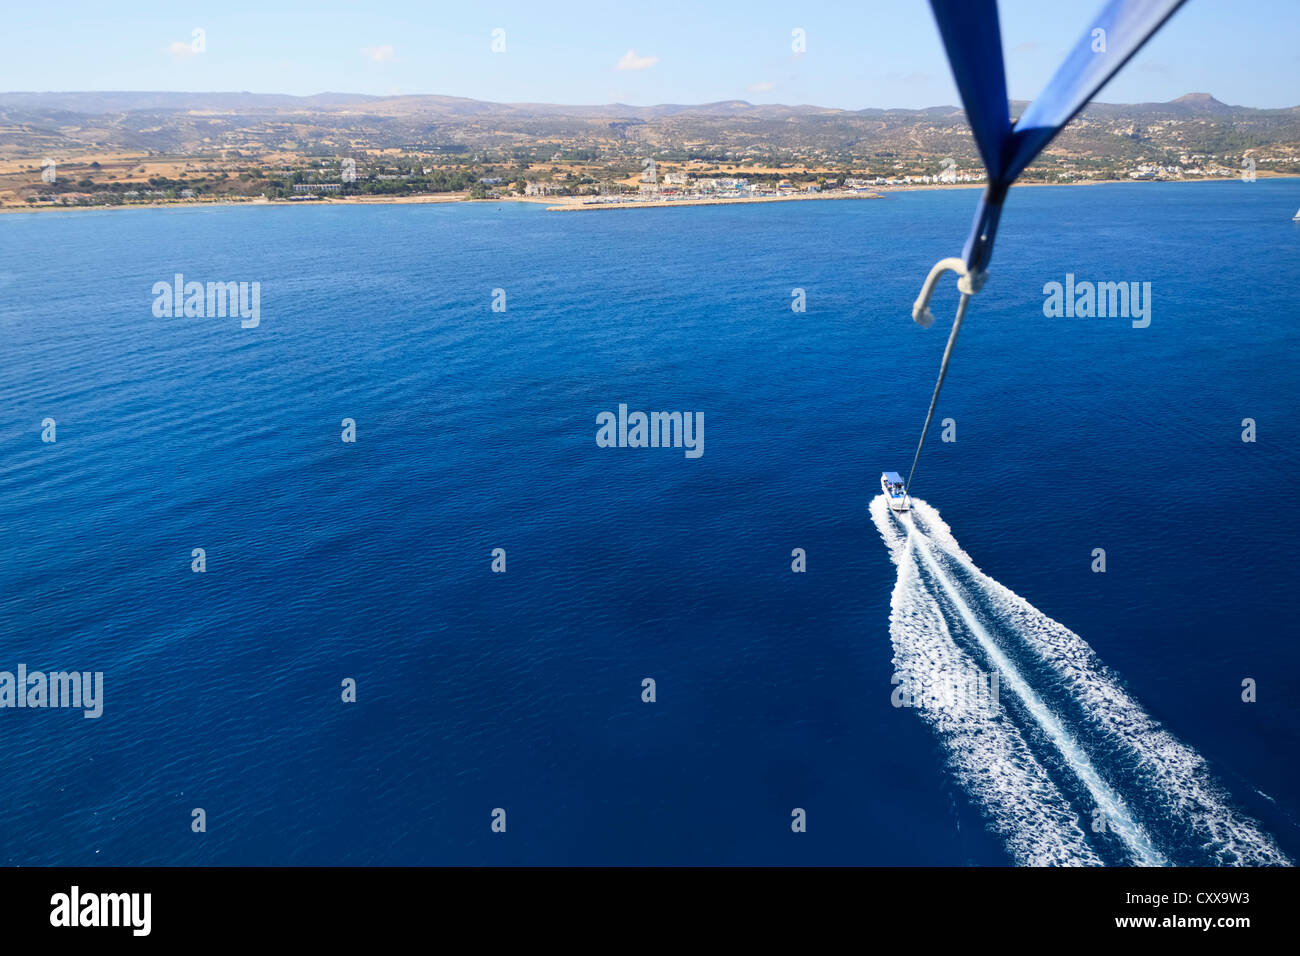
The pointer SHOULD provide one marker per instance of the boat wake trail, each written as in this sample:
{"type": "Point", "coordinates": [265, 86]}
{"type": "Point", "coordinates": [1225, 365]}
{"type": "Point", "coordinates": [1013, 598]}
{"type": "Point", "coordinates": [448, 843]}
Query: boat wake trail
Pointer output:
{"type": "Point", "coordinates": [1067, 768]}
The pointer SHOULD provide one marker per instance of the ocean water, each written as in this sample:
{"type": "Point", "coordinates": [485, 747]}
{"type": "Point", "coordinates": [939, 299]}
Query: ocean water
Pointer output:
{"type": "Point", "coordinates": [476, 429]}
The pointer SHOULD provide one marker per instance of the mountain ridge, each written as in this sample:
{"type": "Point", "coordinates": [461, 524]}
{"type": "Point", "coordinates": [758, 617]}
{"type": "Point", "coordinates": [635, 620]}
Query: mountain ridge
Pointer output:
{"type": "Point", "coordinates": [113, 101]}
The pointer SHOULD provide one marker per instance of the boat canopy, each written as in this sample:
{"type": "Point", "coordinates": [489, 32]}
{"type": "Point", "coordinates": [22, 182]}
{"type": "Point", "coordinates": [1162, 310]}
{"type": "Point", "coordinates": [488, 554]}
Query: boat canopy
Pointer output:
{"type": "Point", "coordinates": [893, 477]}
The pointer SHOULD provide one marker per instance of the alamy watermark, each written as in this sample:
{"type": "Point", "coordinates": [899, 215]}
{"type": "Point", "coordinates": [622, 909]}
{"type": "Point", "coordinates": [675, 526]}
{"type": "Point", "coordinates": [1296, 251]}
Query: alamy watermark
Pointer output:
{"type": "Point", "coordinates": [37, 690]}
{"type": "Point", "coordinates": [128, 910]}
{"type": "Point", "coordinates": [215, 300]}
{"type": "Point", "coordinates": [961, 691]}
{"type": "Point", "coordinates": [652, 430]}
{"type": "Point", "coordinates": [1124, 300]}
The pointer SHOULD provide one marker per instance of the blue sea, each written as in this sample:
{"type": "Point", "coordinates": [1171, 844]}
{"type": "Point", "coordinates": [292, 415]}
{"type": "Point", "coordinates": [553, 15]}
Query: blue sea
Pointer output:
{"type": "Point", "coordinates": [476, 430]}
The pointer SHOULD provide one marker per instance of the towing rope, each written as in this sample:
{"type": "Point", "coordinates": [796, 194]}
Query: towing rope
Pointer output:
{"type": "Point", "coordinates": [968, 284]}
{"type": "Point", "coordinates": [943, 370]}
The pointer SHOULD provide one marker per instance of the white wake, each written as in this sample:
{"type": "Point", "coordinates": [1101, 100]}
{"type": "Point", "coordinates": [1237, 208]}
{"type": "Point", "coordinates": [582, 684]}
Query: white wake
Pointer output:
{"type": "Point", "coordinates": [988, 752]}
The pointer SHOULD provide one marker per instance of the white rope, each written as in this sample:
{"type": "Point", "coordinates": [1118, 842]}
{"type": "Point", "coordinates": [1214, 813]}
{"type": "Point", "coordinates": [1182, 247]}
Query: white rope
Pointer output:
{"type": "Point", "coordinates": [969, 284]}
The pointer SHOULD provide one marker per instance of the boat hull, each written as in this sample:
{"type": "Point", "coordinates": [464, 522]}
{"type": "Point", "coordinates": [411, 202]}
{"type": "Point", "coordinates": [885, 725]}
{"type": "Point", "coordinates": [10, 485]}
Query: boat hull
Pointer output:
{"type": "Point", "coordinates": [897, 501]}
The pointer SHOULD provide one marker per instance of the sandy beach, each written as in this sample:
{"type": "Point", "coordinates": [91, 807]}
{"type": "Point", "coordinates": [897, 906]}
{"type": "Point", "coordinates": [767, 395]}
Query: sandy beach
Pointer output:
{"type": "Point", "coordinates": [703, 201]}
{"type": "Point", "coordinates": [209, 203]}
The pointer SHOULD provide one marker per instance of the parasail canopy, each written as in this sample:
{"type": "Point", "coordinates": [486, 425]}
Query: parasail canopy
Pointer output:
{"type": "Point", "coordinates": [973, 39]}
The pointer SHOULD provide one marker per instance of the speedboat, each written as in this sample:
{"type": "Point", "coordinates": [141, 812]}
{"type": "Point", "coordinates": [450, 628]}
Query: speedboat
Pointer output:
{"type": "Point", "coordinates": [891, 483]}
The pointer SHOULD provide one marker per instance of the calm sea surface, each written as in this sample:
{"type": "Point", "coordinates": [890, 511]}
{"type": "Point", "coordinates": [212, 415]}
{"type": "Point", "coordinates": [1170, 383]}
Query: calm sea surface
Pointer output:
{"type": "Point", "coordinates": [476, 429]}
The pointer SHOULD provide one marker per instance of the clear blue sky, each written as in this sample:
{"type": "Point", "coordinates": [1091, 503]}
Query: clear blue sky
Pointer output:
{"type": "Point", "coordinates": [870, 53]}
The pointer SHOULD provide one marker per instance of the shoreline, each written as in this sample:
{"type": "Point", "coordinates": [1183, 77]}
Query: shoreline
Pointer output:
{"type": "Point", "coordinates": [431, 198]}
{"type": "Point", "coordinates": [579, 205]}
{"type": "Point", "coordinates": [553, 204]}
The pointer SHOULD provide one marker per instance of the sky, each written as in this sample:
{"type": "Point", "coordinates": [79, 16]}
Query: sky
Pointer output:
{"type": "Point", "coordinates": [873, 53]}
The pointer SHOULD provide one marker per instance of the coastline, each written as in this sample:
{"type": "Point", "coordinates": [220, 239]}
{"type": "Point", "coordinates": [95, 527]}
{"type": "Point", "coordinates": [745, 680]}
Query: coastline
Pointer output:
{"type": "Point", "coordinates": [578, 204]}
{"type": "Point", "coordinates": [272, 203]}
{"type": "Point", "coordinates": [554, 204]}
